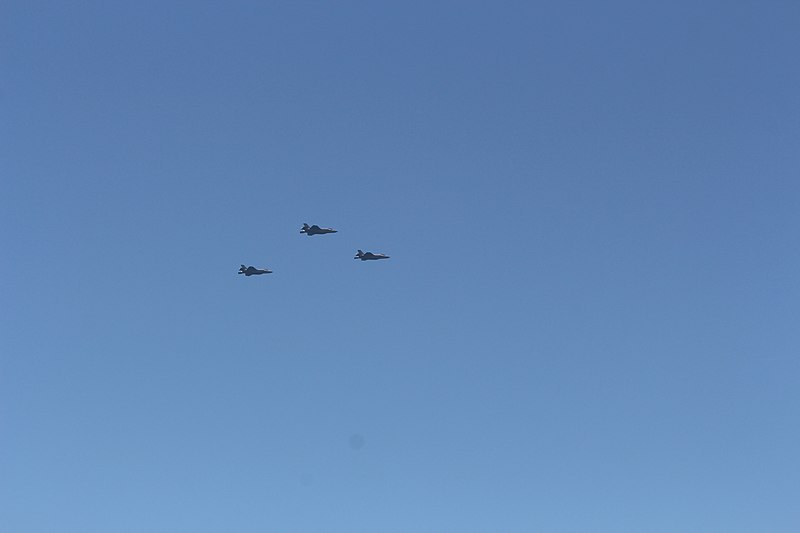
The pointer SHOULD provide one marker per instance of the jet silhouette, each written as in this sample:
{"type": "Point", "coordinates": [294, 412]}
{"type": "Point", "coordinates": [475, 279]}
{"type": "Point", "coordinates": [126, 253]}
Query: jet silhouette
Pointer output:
{"type": "Point", "coordinates": [369, 256]}
{"type": "Point", "coordinates": [253, 271]}
{"type": "Point", "coordinates": [316, 230]}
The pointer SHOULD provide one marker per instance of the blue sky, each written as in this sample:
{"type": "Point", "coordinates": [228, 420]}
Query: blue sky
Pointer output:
{"type": "Point", "coordinates": [588, 323]}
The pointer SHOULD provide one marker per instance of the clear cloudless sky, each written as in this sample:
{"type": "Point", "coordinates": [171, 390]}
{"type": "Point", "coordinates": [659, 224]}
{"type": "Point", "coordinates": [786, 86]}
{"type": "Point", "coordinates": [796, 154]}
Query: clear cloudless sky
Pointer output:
{"type": "Point", "coordinates": [589, 321]}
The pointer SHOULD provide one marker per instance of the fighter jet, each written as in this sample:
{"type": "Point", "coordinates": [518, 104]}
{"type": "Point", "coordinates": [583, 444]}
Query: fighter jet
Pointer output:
{"type": "Point", "coordinates": [316, 230]}
{"type": "Point", "coordinates": [369, 256]}
{"type": "Point", "coordinates": [253, 271]}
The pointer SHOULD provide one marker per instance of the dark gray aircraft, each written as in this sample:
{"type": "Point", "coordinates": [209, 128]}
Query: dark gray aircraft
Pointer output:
{"type": "Point", "coordinates": [369, 256]}
{"type": "Point", "coordinates": [316, 230]}
{"type": "Point", "coordinates": [253, 271]}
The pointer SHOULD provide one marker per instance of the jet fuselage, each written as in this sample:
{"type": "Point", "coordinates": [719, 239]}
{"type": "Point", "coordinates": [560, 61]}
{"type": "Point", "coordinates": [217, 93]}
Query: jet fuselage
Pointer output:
{"type": "Point", "coordinates": [253, 271]}
{"type": "Point", "coordinates": [316, 230]}
{"type": "Point", "coordinates": [369, 256]}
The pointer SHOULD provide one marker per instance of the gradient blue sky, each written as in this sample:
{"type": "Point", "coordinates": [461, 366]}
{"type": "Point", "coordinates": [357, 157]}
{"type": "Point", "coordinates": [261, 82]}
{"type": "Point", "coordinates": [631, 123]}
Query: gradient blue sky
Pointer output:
{"type": "Point", "coordinates": [589, 321]}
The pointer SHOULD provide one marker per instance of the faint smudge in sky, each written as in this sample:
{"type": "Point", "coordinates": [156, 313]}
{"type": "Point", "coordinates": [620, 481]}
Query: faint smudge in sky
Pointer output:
{"type": "Point", "coordinates": [357, 441]}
